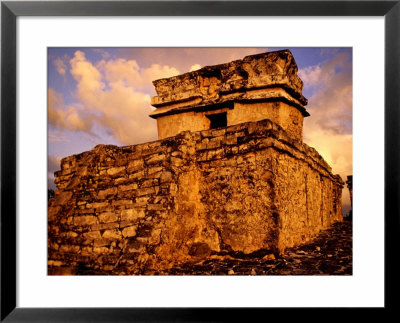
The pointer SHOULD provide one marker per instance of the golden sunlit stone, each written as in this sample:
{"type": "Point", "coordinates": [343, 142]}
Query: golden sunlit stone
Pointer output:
{"type": "Point", "coordinates": [248, 186]}
{"type": "Point", "coordinates": [263, 86]}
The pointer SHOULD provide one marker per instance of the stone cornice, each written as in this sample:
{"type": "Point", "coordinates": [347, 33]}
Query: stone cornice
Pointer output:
{"type": "Point", "coordinates": [265, 76]}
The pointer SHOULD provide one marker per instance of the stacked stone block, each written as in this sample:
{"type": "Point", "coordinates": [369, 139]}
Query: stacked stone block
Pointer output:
{"type": "Point", "coordinates": [236, 190]}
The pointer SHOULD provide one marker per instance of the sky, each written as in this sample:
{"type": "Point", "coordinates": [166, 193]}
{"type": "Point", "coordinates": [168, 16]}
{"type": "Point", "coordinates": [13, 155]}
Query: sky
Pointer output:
{"type": "Point", "coordinates": [102, 96]}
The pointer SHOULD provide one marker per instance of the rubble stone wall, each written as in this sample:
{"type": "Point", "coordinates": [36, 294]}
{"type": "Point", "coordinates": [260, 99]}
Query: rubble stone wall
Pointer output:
{"type": "Point", "coordinates": [240, 189]}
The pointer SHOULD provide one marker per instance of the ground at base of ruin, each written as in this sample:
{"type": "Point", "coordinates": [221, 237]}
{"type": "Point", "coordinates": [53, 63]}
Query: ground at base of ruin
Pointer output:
{"type": "Point", "coordinates": [330, 253]}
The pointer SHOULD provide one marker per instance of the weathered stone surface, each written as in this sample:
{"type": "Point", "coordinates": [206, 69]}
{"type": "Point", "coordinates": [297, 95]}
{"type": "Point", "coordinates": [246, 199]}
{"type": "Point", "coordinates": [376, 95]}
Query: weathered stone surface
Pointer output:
{"type": "Point", "coordinates": [85, 220]}
{"type": "Point", "coordinates": [69, 234]}
{"type": "Point", "coordinates": [249, 187]}
{"type": "Point", "coordinates": [107, 193]}
{"type": "Point", "coordinates": [115, 170]}
{"type": "Point", "coordinates": [102, 242]}
{"type": "Point", "coordinates": [100, 250]}
{"type": "Point", "coordinates": [130, 187]}
{"type": "Point", "coordinates": [112, 234]}
{"type": "Point", "coordinates": [108, 217]}
{"type": "Point", "coordinates": [69, 249]}
{"type": "Point", "coordinates": [349, 183]}
{"type": "Point", "coordinates": [97, 205]}
{"type": "Point", "coordinates": [104, 226]}
{"type": "Point", "coordinates": [273, 69]}
{"type": "Point", "coordinates": [330, 253]}
{"type": "Point", "coordinates": [129, 231]}
{"type": "Point", "coordinates": [53, 211]}
{"type": "Point", "coordinates": [62, 197]}
{"type": "Point", "coordinates": [257, 189]}
{"type": "Point", "coordinates": [132, 214]}
{"type": "Point", "coordinates": [92, 235]}
{"type": "Point", "coordinates": [263, 86]}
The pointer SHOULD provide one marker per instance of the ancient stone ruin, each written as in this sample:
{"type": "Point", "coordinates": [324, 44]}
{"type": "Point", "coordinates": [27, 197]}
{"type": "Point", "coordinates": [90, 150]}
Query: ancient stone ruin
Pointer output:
{"type": "Point", "coordinates": [229, 175]}
{"type": "Point", "coordinates": [349, 183]}
{"type": "Point", "coordinates": [264, 86]}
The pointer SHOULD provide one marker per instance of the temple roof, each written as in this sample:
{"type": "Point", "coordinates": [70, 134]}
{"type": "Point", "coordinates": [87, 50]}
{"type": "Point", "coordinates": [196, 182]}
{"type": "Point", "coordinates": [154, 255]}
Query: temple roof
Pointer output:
{"type": "Point", "coordinates": [266, 76]}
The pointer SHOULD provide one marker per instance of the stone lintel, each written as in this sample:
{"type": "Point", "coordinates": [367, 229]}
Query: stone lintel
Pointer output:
{"type": "Point", "coordinates": [227, 100]}
{"type": "Point", "coordinates": [270, 73]}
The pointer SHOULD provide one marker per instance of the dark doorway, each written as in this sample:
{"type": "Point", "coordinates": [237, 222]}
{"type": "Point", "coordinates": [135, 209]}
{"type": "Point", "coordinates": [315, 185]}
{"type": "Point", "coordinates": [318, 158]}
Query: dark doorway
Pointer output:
{"type": "Point", "coordinates": [217, 120]}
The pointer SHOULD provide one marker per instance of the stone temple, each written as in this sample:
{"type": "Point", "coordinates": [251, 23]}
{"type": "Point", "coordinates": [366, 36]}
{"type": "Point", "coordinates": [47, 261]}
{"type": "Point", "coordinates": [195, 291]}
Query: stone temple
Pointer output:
{"type": "Point", "coordinates": [264, 86]}
{"type": "Point", "coordinates": [229, 175]}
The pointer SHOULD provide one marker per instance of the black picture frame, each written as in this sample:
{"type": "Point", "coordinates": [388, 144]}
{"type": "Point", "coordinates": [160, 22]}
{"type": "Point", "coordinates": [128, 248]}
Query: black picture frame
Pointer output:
{"type": "Point", "coordinates": [10, 10]}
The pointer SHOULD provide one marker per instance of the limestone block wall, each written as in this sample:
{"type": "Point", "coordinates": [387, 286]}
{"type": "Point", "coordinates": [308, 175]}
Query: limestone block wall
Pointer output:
{"type": "Point", "coordinates": [170, 125]}
{"type": "Point", "coordinates": [107, 196]}
{"type": "Point", "coordinates": [138, 209]}
{"type": "Point", "coordinates": [289, 118]}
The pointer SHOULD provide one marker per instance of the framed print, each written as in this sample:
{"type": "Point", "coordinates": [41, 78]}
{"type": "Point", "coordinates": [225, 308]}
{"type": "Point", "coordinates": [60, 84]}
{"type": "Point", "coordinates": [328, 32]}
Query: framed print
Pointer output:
{"type": "Point", "coordinates": [101, 225]}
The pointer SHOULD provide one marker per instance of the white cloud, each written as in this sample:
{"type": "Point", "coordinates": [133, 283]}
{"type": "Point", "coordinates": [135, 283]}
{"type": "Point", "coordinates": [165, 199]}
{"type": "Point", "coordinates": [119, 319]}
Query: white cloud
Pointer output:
{"type": "Point", "coordinates": [311, 75]}
{"type": "Point", "coordinates": [60, 66]}
{"type": "Point", "coordinates": [57, 136]}
{"type": "Point", "coordinates": [194, 67]}
{"type": "Point", "coordinates": [104, 54]}
{"type": "Point", "coordinates": [329, 128]}
{"type": "Point", "coordinates": [115, 96]}
{"type": "Point", "coordinates": [53, 164]}
{"type": "Point", "coordinates": [132, 75]}
{"type": "Point", "coordinates": [62, 117]}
